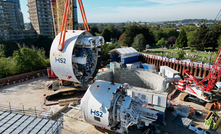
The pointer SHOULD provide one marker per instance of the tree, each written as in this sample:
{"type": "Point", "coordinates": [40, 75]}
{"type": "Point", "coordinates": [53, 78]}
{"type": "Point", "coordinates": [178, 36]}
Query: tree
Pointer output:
{"type": "Point", "coordinates": [106, 34]}
{"type": "Point", "coordinates": [113, 30]}
{"type": "Point", "coordinates": [9, 47]}
{"type": "Point", "coordinates": [199, 39]}
{"type": "Point", "coordinates": [43, 42]}
{"type": "Point", "coordinates": [94, 30]}
{"type": "Point", "coordinates": [219, 42]}
{"type": "Point", "coordinates": [180, 54]}
{"type": "Point", "coordinates": [3, 67]}
{"type": "Point", "coordinates": [120, 41]}
{"type": "Point", "coordinates": [139, 42]}
{"type": "Point", "coordinates": [28, 59]}
{"type": "Point", "coordinates": [104, 50]}
{"type": "Point", "coordinates": [134, 29]}
{"type": "Point", "coordinates": [123, 29]}
{"type": "Point", "coordinates": [171, 40]}
{"type": "Point", "coordinates": [162, 42]}
{"type": "Point", "coordinates": [2, 53]}
{"type": "Point", "coordinates": [188, 28]}
{"type": "Point", "coordinates": [181, 41]}
{"type": "Point", "coordinates": [158, 34]}
{"type": "Point", "coordinates": [107, 47]}
{"type": "Point", "coordinates": [168, 32]}
{"type": "Point", "coordinates": [215, 34]}
{"type": "Point", "coordinates": [27, 41]}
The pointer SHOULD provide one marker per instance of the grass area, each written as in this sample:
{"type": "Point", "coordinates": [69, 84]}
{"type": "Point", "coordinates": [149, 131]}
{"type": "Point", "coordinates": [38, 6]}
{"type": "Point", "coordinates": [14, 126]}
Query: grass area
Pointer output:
{"type": "Point", "coordinates": [197, 56]}
{"type": "Point", "coordinates": [172, 50]}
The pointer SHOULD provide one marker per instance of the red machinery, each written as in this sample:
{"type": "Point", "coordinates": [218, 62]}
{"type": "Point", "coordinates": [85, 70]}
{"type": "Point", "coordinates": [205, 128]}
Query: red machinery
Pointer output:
{"type": "Point", "coordinates": [199, 89]}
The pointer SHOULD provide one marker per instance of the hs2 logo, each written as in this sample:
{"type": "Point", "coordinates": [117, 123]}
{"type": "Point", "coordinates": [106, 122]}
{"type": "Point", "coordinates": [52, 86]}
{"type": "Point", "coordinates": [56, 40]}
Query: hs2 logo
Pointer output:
{"type": "Point", "coordinates": [60, 60]}
{"type": "Point", "coordinates": [97, 113]}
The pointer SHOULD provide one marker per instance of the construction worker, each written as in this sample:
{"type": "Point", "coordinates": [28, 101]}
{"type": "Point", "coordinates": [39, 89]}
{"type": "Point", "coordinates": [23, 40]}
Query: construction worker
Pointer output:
{"type": "Point", "coordinates": [218, 105]}
{"type": "Point", "coordinates": [214, 105]}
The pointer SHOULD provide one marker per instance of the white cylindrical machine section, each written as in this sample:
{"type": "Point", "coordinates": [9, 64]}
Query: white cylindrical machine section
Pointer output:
{"type": "Point", "coordinates": [79, 59]}
{"type": "Point", "coordinates": [107, 105]}
{"type": "Point", "coordinates": [97, 101]}
{"type": "Point", "coordinates": [93, 41]}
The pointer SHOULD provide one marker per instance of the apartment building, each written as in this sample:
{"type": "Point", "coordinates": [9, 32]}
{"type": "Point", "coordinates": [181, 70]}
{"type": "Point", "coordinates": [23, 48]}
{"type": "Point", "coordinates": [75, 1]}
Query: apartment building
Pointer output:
{"type": "Point", "coordinates": [11, 18]}
{"type": "Point", "coordinates": [40, 17]}
{"type": "Point", "coordinates": [14, 14]}
{"type": "Point", "coordinates": [18, 35]}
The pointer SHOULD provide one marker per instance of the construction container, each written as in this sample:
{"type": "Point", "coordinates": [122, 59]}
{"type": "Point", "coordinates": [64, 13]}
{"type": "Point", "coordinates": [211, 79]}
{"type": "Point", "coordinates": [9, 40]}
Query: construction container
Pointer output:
{"type": "Point", "coordinates": [148, 67]}
{"type": "Point", "coordinates": [168, 72]}
{"type": "Point", "coordinates": [212, 121]}
{"type": "Point", "coordinates": [114, 65]}
{"type": "Point", "coordinates": [127, 54]}
{"type": "Point", "coordinates": [133, 65]}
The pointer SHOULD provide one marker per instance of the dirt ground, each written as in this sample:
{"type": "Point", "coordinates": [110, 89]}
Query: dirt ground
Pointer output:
{"type": "Point", "coordinates": [29, 94]}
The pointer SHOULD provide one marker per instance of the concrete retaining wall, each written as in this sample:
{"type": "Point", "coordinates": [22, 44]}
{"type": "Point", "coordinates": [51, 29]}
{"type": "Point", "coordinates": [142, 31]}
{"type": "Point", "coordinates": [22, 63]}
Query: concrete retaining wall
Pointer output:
{"type": "Point", "coordinates": [138, 78]}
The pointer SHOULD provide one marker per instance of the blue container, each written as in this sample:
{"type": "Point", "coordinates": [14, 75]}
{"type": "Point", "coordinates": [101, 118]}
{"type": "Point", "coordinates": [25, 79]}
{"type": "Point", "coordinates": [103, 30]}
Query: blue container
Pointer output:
{"type": "Point", "coordinates": [145, 66]}
{"type": "Point", "coordinates": [129, 60]}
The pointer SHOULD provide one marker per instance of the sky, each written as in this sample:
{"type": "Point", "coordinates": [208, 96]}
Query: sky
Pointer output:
{"type": "Point", "coordinates": [143, 10]}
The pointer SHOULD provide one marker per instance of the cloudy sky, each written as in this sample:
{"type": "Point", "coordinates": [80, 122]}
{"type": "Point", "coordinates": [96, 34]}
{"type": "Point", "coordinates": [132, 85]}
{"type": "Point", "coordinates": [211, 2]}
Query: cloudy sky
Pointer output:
{"type": "Point", "coordinates": [143, 10]}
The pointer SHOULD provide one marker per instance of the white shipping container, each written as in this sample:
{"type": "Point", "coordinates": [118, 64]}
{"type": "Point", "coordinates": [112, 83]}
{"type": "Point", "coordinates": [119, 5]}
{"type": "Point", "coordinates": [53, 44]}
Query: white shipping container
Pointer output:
{"type": "Point", "coordinates": [133, 65]}
{"type": "Point", "coordinates": [168, 72]}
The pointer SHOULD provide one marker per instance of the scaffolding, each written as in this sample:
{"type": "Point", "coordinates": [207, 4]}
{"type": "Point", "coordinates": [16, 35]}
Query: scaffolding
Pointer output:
{"type": "Point", "coordinates": [57, 9]}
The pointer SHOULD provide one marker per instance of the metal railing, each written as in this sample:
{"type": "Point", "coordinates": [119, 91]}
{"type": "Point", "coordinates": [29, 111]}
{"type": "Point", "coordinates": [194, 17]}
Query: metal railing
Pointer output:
{"type": "Point", "coordinates": [20, 110]}
{"type": "Point", "coordinates": [54, 127]}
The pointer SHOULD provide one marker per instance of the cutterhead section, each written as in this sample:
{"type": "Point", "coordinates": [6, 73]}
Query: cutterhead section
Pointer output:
{"type": "Point", "coordinates": [79, 60]}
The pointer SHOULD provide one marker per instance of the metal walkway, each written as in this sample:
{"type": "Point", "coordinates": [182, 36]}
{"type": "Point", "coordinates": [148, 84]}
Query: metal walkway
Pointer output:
{"type": "Point", "coordinates": [12, 123]}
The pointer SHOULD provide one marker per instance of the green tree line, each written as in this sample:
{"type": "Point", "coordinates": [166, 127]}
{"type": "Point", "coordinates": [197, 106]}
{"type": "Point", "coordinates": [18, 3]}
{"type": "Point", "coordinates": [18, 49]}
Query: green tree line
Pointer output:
{"type": "Point", "coordinates": [139, 35]}
{"type": "Point", "coordinates": [23, 60]}
{"type": "Point", "coordinates": [201, 37]}
{"type": "Point", "coordinates": [26, 56]}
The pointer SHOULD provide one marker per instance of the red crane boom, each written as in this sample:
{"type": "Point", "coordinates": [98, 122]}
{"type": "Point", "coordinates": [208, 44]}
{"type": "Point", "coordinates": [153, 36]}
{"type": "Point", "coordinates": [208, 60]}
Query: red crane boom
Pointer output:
{"type": "Point", "coordinates": [212, 77]}
{"type": "Point", "coordinates": [65, 19]}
